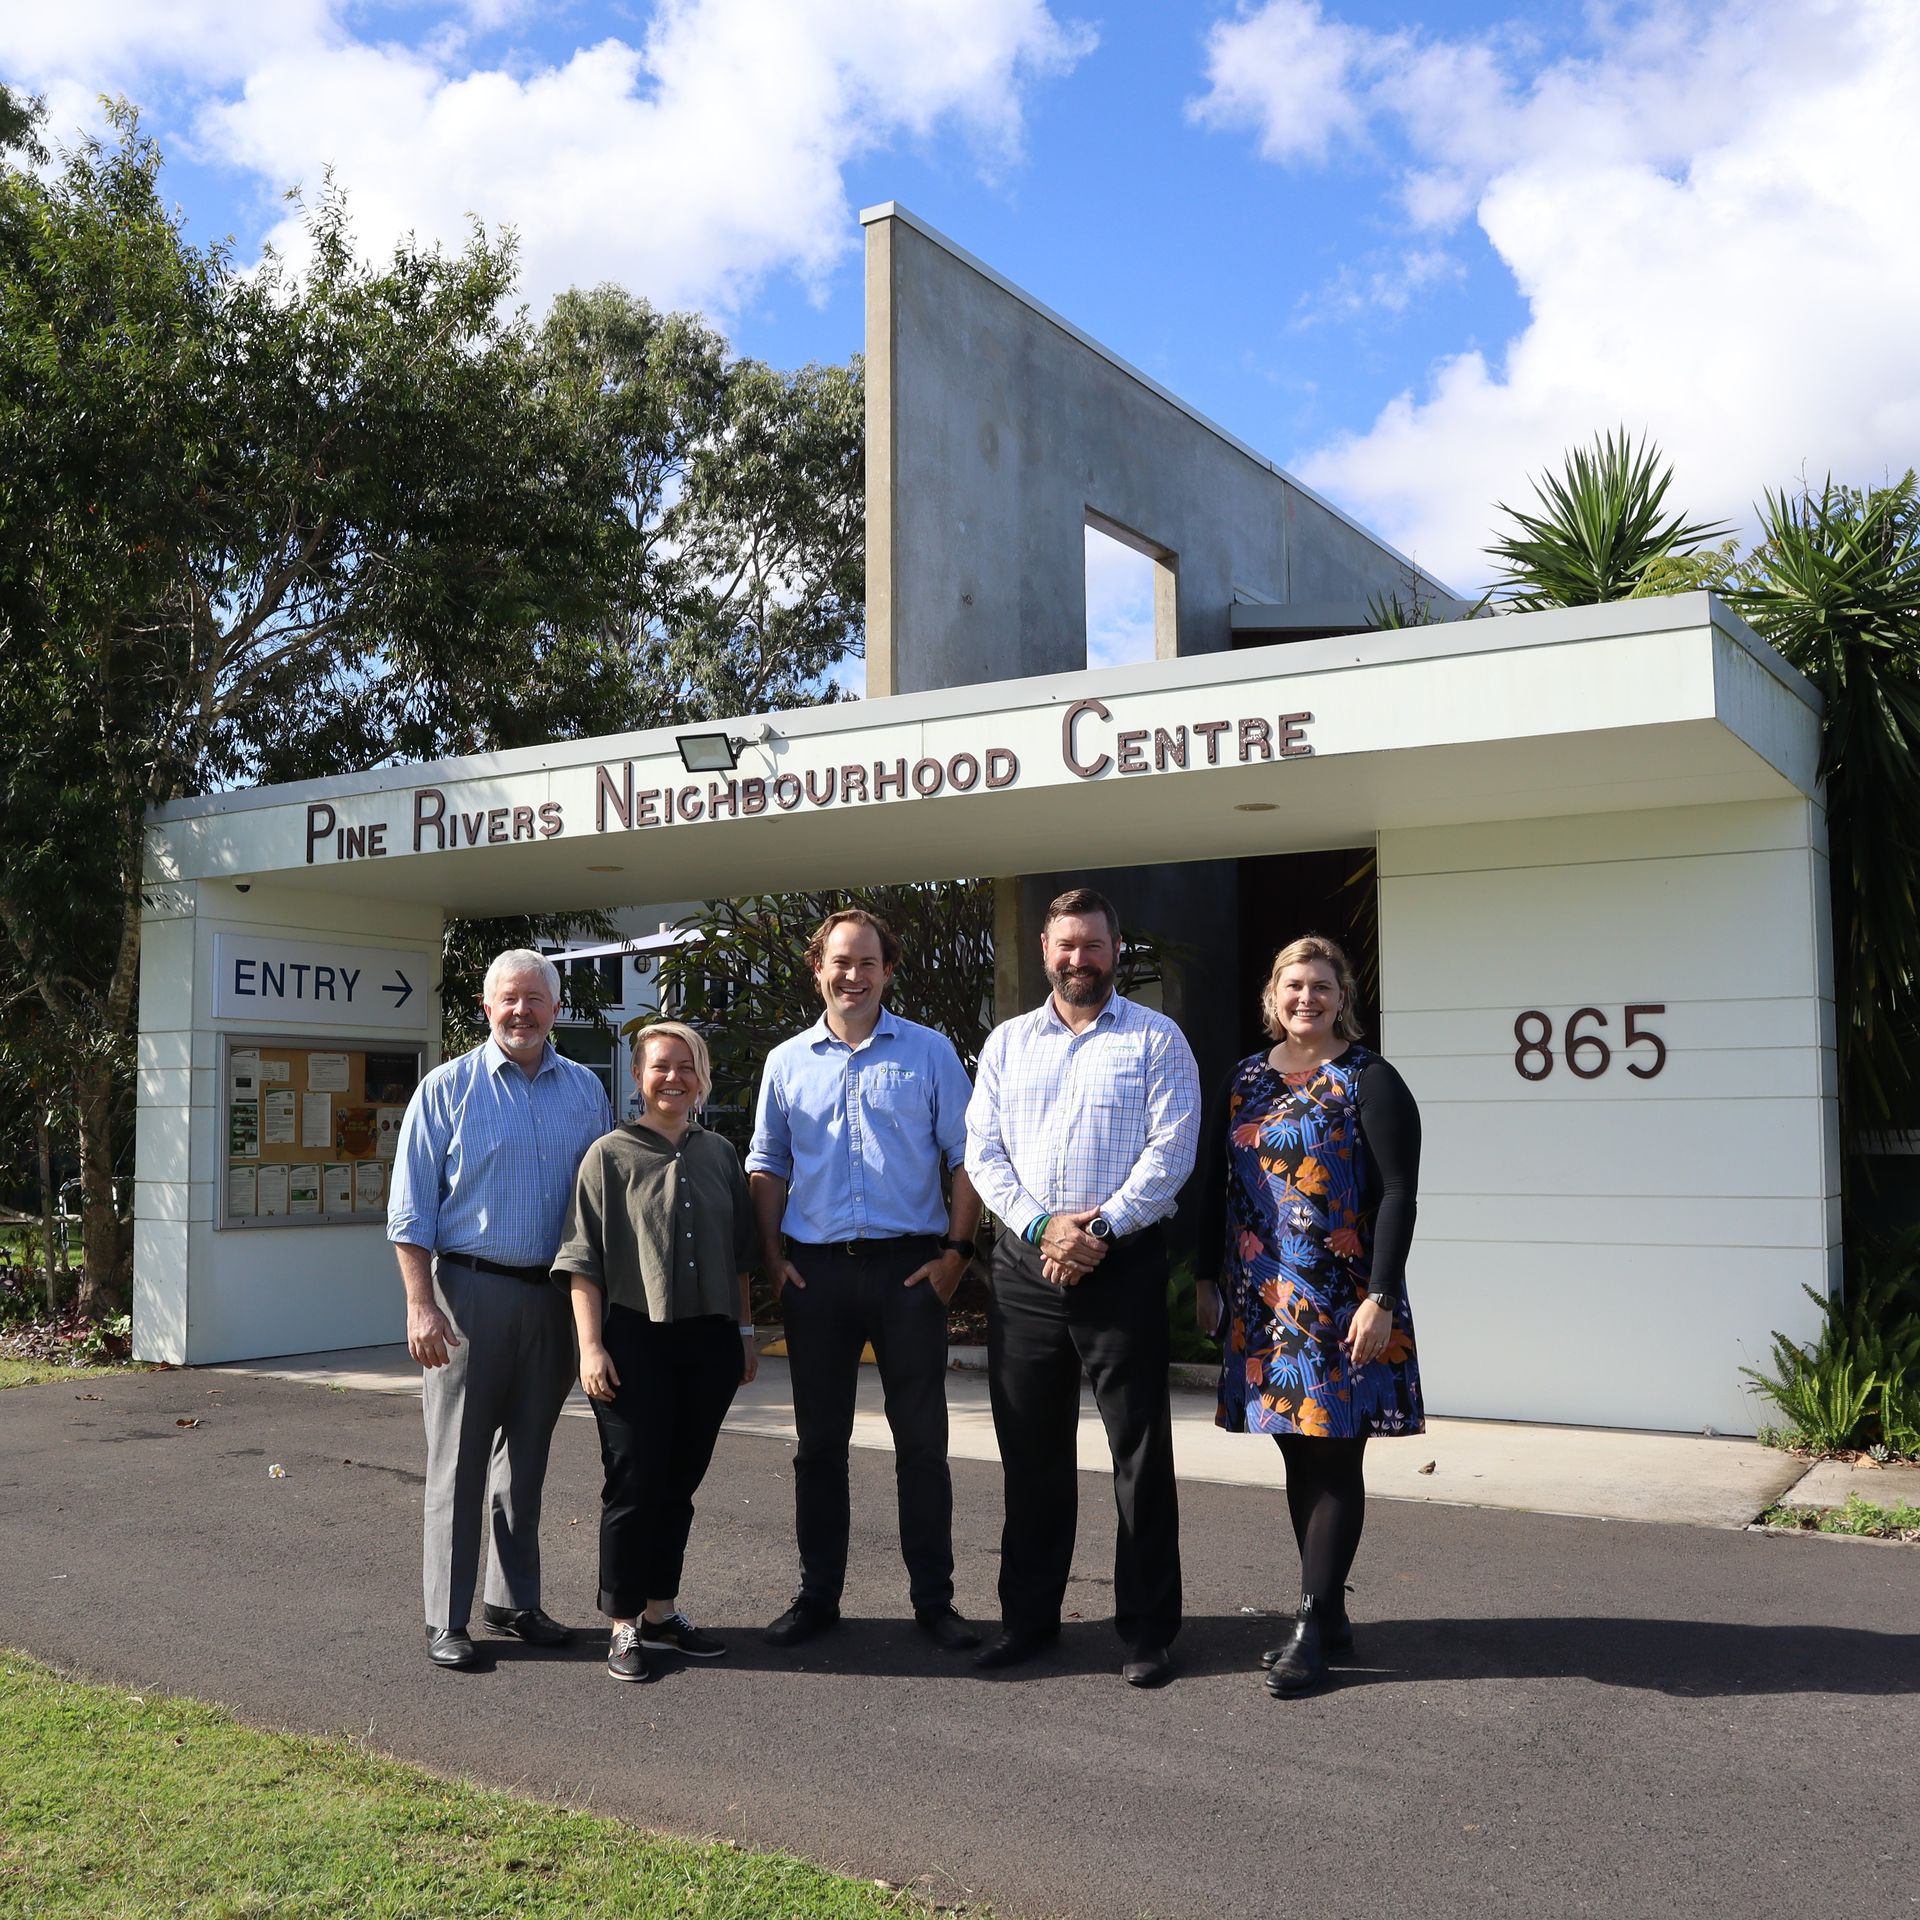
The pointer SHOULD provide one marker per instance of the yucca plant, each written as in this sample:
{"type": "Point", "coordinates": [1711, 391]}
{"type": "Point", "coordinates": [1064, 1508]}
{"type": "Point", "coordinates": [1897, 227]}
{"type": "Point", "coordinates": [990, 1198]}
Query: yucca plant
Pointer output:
{"type": "Point", "coordinates": [1835, 586]}
{"type": "Point", "coordinates": [1598, 526]}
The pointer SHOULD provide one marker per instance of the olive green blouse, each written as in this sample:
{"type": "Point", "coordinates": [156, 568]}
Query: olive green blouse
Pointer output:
{"type": "Point", "coordinates": [661, 1229]}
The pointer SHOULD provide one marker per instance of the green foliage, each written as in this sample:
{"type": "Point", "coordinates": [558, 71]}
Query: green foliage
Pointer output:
{"type": "Point", "coordinates": [1860, 1517]}
{"type": "Point", "coordinates": [1598, 528]}
{"type": "Point", "coordinates": [1857, 1387]}
{"type": "Point", "coordinates": [139, 1804]}
{"type": "Point", "coordinates": [1189, 1343]}
{"type": "Point", "coordinates": [746, 984]}
{"type": "Point", "coordinates": [279, 525]}
{"type": "Point", "coordinates": [1835, 586]}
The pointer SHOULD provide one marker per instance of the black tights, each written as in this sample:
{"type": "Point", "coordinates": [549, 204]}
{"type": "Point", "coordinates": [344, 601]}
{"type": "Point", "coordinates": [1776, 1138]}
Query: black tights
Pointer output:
{"type": "Point", "coordinates": [1327, 1498]}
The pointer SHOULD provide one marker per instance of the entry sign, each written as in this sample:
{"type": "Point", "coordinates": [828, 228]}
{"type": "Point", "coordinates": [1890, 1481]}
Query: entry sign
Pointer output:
{"type": "Point", "coordinates": [318, 984]}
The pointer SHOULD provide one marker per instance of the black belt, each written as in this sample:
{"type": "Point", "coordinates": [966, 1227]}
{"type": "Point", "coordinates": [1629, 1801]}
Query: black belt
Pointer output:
{"type": "Point", "coordinates": [853, 1249]}
{"type": "Point", "coordinates": [534, 1276]}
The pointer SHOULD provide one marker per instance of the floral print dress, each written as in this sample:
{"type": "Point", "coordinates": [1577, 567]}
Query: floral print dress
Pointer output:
{"type": "Point", "coordinates": [1300, 1200]}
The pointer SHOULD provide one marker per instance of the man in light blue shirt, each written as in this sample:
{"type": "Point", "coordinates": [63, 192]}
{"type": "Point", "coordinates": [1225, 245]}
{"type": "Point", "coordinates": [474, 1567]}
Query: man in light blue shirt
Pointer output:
{"type": "Point", "coordinates": [485, 1166]}
{"type": "Point", "coordinates": [857, 1118]}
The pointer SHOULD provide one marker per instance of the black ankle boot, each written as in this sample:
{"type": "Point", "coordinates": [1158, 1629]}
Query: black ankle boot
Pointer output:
{"type": "Point", "coordinates": [1336, 1640]}
{"type": "Point", "coordinates": [1300, 1663]}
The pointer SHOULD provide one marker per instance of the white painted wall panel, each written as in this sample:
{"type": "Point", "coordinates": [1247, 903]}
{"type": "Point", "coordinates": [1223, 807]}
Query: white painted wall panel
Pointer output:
{"type": "Point", "coordinates": [1636, 1220]}
{"type": "Point", "coordinates": [1612, 1250]}
{"type": "Point", "coordinates": [1600, 1336]}
{"type": "Point", "coordinates": [1690, 928]}
{"type": "Point", "coordinates": [292, 1290]}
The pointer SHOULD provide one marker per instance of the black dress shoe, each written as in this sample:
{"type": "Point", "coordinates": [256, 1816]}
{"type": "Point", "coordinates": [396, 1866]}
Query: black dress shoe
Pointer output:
{"type": "Point", "coordinates": [1013, 1645]}
{"type": "Point", "coordinates": [1336, 1641]}
{"type": "Point", "coordinates": [801, 1621]}
{"type": "Point", "coordinates": [1302, 1662]}
{"type": "Point", "coordinates": [527, 1623]}
{"type": "Point", "coordinates": [450, 1647]}
{"type": "Point", "coordinates": [946, 1627]}
{"type": "Point", "coordinates": [1149, 1667]}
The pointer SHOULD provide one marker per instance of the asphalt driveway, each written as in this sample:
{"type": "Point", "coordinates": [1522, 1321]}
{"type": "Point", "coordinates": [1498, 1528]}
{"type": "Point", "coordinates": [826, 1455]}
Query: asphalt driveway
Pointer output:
{"type": "Point", "coordinates": [1555, 1716]}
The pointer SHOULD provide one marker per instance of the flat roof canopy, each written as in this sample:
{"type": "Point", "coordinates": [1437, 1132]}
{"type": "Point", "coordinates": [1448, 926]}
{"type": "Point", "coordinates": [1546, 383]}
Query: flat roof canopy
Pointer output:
{"type": "Point", "coordinates": [1637, 704]}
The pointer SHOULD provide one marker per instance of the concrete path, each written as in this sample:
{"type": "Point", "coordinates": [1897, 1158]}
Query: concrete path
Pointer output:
{"type": "Point", "coordinates": [1598, 1473]}
{"type": "Point", "coordinates": [1551, 1716]}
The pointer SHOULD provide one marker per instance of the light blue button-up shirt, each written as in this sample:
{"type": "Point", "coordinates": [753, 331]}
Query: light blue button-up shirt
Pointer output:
{"type": "Point", "coordinates": [487, 1156]}
{"type": "Point", "coordinates": [860, 1134]}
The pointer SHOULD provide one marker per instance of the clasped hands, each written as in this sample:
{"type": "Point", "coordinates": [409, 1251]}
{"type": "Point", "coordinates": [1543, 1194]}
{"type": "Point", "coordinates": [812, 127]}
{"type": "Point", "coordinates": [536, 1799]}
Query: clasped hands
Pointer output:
{"type": "Point", "coordinates": [1068, 1252]}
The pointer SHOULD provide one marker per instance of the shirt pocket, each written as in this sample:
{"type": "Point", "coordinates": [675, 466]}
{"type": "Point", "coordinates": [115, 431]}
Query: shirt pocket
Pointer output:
{"type": "Point", "coordinates": [894, 1096]}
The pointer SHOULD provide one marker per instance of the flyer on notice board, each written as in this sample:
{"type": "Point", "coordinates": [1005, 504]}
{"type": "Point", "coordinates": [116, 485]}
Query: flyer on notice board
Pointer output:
{"type": "Point", "coordinates": [271, 1187]}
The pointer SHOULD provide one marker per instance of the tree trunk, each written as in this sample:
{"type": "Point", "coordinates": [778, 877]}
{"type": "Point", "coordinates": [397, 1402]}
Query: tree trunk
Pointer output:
{"type": "Point", "coordinates": [106, 1275]}
{"type": "Point", "coordinates": [43, 1139]}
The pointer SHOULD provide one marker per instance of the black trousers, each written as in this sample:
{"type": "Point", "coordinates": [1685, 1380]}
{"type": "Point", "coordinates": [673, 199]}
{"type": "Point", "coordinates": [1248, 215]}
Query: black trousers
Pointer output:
{"type": "Point", "coordinates": [854, 1295]}
{"type": "Point", "coordinates": [1114, 1324]}
{"type": "Point", "coordinates": [677, 1380]}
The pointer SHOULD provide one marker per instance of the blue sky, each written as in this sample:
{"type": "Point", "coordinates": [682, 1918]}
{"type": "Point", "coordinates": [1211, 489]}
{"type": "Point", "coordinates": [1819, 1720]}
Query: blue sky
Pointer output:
{"type": "Point", "coordinates": [1411, 251]}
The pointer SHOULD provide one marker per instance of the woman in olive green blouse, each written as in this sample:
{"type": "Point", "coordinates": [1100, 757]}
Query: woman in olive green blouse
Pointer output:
{"type": "Point", "coordinates": [655, 1252]}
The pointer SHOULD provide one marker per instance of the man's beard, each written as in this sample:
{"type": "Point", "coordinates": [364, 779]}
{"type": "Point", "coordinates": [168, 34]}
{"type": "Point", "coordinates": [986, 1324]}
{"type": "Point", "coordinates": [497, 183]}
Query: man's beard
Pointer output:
{"type": "Point", "coordinates": [1082, 986]}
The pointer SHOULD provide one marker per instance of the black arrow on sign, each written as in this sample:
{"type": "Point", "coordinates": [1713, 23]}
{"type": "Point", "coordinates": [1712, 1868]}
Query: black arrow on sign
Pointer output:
{"type": "Point", "coordinates": [404, 989]}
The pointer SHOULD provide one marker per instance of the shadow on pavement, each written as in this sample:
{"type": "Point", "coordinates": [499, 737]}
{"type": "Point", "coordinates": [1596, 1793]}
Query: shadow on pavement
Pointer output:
{"type": "Point", "coordinates": [1693, 1659]}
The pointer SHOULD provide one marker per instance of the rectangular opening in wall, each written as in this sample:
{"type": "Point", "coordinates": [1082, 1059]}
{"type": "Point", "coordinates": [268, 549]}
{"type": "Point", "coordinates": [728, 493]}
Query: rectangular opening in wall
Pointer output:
{"type": "Point", "coordinates": [1130, 596]}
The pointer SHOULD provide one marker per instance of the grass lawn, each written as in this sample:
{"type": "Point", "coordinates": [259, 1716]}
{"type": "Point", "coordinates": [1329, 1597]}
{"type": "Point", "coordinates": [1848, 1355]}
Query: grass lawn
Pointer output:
{"type": "Point", "coordinates": [119, 1804]}
{"type": "Point", "coordinates": [38, 1373]}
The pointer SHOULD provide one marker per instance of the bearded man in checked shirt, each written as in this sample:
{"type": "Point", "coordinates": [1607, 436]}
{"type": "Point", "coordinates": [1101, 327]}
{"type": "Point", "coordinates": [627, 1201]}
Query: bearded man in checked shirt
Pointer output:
{"type": "Point", "coordinates": [1081, 1131]}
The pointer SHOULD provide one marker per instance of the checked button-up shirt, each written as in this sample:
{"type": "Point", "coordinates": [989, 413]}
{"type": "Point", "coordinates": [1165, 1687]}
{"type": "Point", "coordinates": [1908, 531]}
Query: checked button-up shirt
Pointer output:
{"type": "Point", "coordinates": [1063, 1121]}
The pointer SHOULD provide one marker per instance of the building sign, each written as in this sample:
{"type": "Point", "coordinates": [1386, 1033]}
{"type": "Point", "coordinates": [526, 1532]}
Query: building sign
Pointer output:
{"type": "Point", "coordinates": [1092, 747]}
{"type": "Point", "coordinates": [319, 983]}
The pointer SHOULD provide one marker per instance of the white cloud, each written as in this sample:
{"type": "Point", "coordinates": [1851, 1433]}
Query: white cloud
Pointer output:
{"type": "Point", "coordinates": [1119, 602]}
{"type": "Point", "coordinates": [688, 164]}
{"type": "Point", "coordinates": [1707, 215]}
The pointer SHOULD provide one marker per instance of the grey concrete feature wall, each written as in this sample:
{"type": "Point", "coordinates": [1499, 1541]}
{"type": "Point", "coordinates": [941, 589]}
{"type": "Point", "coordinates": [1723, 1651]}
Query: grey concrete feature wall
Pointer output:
{"type": "Point", "coordinates": [995, 429]}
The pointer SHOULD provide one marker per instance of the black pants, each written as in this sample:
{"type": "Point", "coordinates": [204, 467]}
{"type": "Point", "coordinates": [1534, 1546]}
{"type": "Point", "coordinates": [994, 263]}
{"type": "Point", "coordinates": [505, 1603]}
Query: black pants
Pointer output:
{"type": "Point", "coordinates": [852, 1297]}
{"type": "Point", "coordinates": [677, 1380]}
{"type": "Point", "coordinates": [1114, 1324]}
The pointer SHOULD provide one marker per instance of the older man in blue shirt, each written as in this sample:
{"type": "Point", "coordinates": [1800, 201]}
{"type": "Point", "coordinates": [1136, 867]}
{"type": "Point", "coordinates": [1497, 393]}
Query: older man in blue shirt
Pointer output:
{"type": "Point", "coordinates": [485, 1166]}
{"type": "Point", "coordinates": [857, 1117]}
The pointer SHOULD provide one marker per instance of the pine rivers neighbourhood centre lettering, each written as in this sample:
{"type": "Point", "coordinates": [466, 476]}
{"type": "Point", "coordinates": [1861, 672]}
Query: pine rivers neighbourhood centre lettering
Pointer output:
{"type": "Point", "coordinates": [1090, 749]}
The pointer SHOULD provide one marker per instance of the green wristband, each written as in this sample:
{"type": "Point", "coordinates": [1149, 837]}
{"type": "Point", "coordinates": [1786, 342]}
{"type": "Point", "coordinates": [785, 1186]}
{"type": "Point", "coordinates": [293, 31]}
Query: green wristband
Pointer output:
{"type": "Point", "coordinates": [1033, 1233]}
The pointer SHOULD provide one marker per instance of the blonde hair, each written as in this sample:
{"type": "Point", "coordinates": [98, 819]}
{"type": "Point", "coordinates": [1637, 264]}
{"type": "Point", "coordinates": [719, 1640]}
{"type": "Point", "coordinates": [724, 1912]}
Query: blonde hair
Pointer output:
{"type": "Point", "coordinates": [679, 1030]}
{"type": "Point", "coordinates": [1311, 946]}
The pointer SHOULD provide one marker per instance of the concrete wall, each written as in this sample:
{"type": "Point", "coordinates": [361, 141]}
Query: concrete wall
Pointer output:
{"type": "Point", "coordinates": [201, 1295]}
{"type": "Point", "coordinates": [995, 429]}
{"type": "Point", "coordinates": [1612, 1250]}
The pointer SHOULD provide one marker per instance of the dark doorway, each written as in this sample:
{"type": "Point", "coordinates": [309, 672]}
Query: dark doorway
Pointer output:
{"type": "Point", "coordinates": [1334, 892]}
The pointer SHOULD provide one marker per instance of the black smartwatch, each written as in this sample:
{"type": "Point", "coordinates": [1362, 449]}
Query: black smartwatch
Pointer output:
{"type": "Point", "coordinates": [962, 1247]}
{"type": "Point", "coordinates": [1387, 1300]}
{"type": "Point", "coordinates": [1100, 1227]}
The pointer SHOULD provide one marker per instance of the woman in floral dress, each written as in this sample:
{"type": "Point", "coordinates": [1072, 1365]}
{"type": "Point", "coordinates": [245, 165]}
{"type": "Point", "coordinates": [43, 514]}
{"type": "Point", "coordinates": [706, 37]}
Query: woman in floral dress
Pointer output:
{"type": "Point", "coordinates": [1305, 1241]}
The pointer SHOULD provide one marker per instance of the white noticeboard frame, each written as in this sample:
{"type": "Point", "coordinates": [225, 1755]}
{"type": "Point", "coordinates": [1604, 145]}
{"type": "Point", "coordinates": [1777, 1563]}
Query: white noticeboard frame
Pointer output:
{"type": "Point", "coordinates": [297, 1183]}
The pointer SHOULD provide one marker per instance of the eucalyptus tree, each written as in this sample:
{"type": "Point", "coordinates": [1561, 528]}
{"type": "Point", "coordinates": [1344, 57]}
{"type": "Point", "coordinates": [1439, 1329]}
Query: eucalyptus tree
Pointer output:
{"type": "Point", "coordinates": [249, 522]}
{"type": "Point", "coordinates": [273, 524]}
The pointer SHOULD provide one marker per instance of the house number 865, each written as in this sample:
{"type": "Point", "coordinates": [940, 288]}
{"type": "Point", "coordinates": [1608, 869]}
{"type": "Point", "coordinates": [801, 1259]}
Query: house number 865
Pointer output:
{"type": "Point", "coordinates": [1588, 1056]}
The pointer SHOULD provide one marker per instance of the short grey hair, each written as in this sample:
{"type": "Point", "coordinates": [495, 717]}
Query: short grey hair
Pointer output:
{"type": "Point", "coordinates": [521, 960]}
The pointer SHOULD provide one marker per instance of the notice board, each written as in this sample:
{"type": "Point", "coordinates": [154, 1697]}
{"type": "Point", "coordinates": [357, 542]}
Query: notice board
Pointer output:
{"type": "Point", "coordinates": [309, 1129]}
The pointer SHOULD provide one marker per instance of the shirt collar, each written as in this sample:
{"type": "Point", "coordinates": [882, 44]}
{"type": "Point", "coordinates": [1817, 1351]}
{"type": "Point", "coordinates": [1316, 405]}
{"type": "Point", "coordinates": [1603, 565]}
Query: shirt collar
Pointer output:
{"type": "Point", "coordinates": [820, 1034]}
{"type": "Point", "coordinates": [1109, 1013]}
{"type": "Point", "coordinates": [496, 1058]}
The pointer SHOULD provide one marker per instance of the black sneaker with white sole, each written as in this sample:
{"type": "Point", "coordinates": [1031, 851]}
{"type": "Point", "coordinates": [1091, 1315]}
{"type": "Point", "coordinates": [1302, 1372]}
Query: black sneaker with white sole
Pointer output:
{"type": "Point", "coordinates": [625, 1660]}
{"type": "Point", "coordinates": [677, 1634]}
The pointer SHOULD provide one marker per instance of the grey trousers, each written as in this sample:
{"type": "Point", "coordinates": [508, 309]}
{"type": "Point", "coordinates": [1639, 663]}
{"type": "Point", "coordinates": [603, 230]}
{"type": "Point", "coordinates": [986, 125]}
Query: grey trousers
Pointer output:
{"type": "Point", "coordinates": [490, 1414]}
